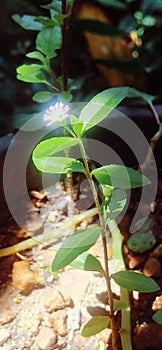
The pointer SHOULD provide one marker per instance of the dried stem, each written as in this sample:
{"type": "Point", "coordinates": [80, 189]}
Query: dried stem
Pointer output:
{"type": "Point", "coordinates": [48, 236]}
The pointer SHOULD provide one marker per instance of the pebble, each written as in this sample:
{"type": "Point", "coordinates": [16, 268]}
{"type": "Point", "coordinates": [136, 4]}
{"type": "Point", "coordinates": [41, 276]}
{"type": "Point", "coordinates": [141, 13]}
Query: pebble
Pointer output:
{"type": "Point", "coordinates": [135, 261]}
{"type": "Point", "coordinates": [75, 282]}
{"type": "Point", "coordinates": [58, 320]}
{"type": "Point", "coordinates": [4, 336]}
{"type": "Point", "coordinates": [23, 278]}
{"type": "Point", "coordinates": [7, 315]}
{"type": "Point", "coordinates": [157, 253]}
{"type": "Point", "coordinates": [152, 268]}
{"type": "Point", "coordinates": [53, 299]}
{"type": "Point", "coordinates": [46, 339]}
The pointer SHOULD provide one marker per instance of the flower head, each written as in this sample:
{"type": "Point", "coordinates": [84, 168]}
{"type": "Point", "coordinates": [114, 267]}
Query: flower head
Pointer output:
{"type": "Point", "coordinates": [56, 113]}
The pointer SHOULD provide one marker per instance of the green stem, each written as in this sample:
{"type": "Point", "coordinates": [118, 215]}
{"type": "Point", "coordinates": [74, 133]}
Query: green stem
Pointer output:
{"type": "Point", "coordinates": [57, 87]}
{"type": "Point", "coordinates": [125, 331]}
{"type": "Point", "coordinates": [104, 243]}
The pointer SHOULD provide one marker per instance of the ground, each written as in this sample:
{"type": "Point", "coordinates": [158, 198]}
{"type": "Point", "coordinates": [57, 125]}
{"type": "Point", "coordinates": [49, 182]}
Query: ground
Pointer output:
{"type": "Point", "coordinates": [40, 310]}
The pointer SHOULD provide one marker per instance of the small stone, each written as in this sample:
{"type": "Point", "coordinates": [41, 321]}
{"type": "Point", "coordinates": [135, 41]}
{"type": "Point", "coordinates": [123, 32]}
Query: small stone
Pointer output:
{"type": "Point", "coordinates": [23, 278]}
{"type": "Point", "coordinates": [52, 217]}
{"type": "Point", "coordinates": [37, 195]}
{"type": "Point", "coordinates": [147, 336]}
{"type": "Point", "coordinates": [58, 320]}
{"type": "Point", "coordinates": [152, 268]}
{"type": "Point", "coordinates": [6, 316]}
{"type": "Point", "coordinates": [75, 282]}
{"type": "Point", "coordinates": [4, 336]}
{"type": "Point", "coordinates": [157, 253]}
{"type": "Point", "coordinates": [46, 339]}
{"type": "Point", "coordinates": [135, 261]}
{"type": "Point", "coordinates": [53, 299]}
{"type": "Point", "coordinates": [157, 304]}
{"type": "Point", "coordinates": [105, 335]}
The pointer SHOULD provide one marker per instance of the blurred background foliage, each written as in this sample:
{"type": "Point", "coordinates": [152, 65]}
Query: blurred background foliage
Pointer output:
{"type": "Point", "coordinates": [111, 43]}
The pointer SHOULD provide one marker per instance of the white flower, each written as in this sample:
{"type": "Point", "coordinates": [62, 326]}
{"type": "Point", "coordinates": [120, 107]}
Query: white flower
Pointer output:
{"type": "Point", "coordinates": [56, 113]}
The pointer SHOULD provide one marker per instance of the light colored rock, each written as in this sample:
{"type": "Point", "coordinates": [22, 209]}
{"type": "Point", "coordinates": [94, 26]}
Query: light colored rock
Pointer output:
{"type": "Point", "coordinates": [7, 315]}
{"type": "Point", "coordinates": [58, 320]}
{"type": "Point", "coordinates": [53, 299]}
{"type": "Point", "coordinates": [4, 336]}
{"type": "Point", "coordinates": [46, 339]}
{"type": "Point", "coordinates": [152, 268]}
{"type": "Point", "coordinates": [105, 335]}
{"type": "Point", "coordinates": [75, 283]}
{"type": "Point", "coordinates": [23, 278]}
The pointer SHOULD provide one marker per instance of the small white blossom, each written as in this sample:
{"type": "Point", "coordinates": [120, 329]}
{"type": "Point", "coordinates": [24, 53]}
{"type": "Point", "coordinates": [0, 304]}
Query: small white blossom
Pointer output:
{"type": "Point", "coordinates": [56, 113]}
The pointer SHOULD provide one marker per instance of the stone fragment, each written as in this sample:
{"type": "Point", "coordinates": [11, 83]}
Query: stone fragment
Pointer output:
{"type": "Point", "coordinates": [157, 304]}
{"type": "Point", "coordinates": [147, 336]}
{"type": "Point", "coordinates": [7, 315]}
{"type": "Point", "coordinates": [157, 253]}
{"type": "Point", "coordinates": [23, 278]}
{"type": "Point", "coordinates": [46, 339]}
{"type": "Point", "coordinates": [52, 216]}
{"type": "Point", "coordinates": [4, 336]}
{"type": "Point", "coordinates": [75, 282]}
{"type": "Point", "coordinates": [105, 335]}
{"type": "Point", "coordinates": [152, 268]}
{"type": "Point", "coordinates": [37, 195]}
{"type": "Point", "coordinates": [53, 299]}
{"type": "Point", "coordinates": [58, 320]}
{"type": "Point", "coordinates": [135, 261]}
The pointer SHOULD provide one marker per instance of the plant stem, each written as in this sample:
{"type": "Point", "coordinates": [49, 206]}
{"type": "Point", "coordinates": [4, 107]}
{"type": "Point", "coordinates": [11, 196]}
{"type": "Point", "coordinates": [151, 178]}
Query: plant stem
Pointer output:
{"type": "Point", "coordinates": [153, 140]}
{"type": "Point", "coordinates": [125, 332]}
{"type": "Point", "coordinates": [64, 63]}
{"type": "Point", "coordinates": [104, 243]}
{"type": "Point", "coordinates": [154, 113]}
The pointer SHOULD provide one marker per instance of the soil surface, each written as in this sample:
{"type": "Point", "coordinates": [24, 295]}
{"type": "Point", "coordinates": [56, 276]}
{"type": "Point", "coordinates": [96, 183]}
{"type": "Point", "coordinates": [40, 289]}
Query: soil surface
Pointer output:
{"type": "Point", "coordinates": [44, 310]}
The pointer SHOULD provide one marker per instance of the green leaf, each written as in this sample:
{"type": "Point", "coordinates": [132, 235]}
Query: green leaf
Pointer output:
{"type": "Point", "coordinates": [28, 22]}
{"type": "Point", "coordinates": [142, 95]}
{"type": "Point", "coordinates": [157, 317]}
{"type": "Point", "coordinates": [42, 96]}
{"type": "Point", "coordinates": [36, 55]}
{"type": "Point", "coordinates": [65, 96]}
{"type": "Point", "coordinates": [101, 105]}
{"type": "Point", "coordinates": [55, 5]}
{"type": "Point", "coordinates": [58, 165]}
{"type": "Point", "coordinates": [53, 145]}
{"type": "Point", "coordinates": [117, 203]}
{"type": "Point", "coordinates": [87, 262]}
{"type": "Point", "coordinates": [135, 281]}
{"type": "Point", "coordinates": [76, 125]}
{"type": "Point", "coordinates": [35, 77]}
{"type": "Point", "coordinates": [118, 305]}
{"type": "Point", "coordinates": [49, 40]}
{"type": "Point", "coordinates": [28, 68]}
{"type": "Point", "coordinates": [95, 325]}
{"type": "Point", "coordinates": [74, 246]}
{"type": "Point", "coordinates": [119, 176]}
